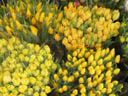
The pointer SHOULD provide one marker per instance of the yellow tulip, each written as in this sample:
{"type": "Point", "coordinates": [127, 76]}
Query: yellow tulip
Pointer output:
{"type": "Point", "coordinates": [33, 20]}
{"type": "Point", "coordinates": [34, 30]}
{"type": "Point", "coordinates": [42, 17]}
{"type": "Point", "coordinates": [0, 22]}
{"type": "Point", "coordinates": [116, 15]}
{"type": "Point", "coordinates": [19, 26]}
{"type": "Point", "coordinates": [8, 29]}
{"type": "Point", "coordinates": [50, 30]}
{"type": "Point", "coordinates": [28, 13]}
{"type": "Point", "coordinates": [117, 59]}
{"type": "Point", "coordinates": [116, 71]}
{"type": "Point", "coordinates": [90, 59]}
{"type": "Point", "coordinates": [38, 6]}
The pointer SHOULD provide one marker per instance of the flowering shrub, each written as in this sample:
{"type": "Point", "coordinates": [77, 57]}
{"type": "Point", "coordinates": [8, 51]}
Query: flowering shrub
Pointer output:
{"type": "Point", "coordinates": [80, 26]}
{"type": "Point", "coordinates": [25, 68]}
{"type": "Point", "coordinates": [88, 73]}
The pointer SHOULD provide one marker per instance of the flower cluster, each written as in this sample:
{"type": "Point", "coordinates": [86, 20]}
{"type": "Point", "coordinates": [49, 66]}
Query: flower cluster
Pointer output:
{"type": "Point", "coordinates": [83, 25]}
{"type": "Point", "coordinates": [25, 68]}
{"type": "Point", "coordinates": [88, 73]}
{"type": "Point", "coordinates": [27, 19]}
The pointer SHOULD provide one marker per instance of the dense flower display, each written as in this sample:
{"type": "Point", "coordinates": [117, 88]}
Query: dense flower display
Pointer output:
{"type": "Point", "coordinates": [63, 48]}
{"type": "Point", "coordinates": [80, 26]}
{"type": "Point", "coordinates": [25, 68]}
{"type": "Point", "coordinates": [88, 73]}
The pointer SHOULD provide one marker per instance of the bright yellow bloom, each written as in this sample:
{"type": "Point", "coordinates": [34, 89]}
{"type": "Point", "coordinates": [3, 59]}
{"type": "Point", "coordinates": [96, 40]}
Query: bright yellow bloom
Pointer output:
{"type": "Point", "coordinates": [33, 20]}
{"type": "Point", "coordinates": [50, 30]}
{"type": "Point", "coordinates": [21, 57]}
{"type": "Point", "coordinates": [36, 94]}
{"type": "Point", "coordinates": [116, 15]}
{"type": "Point", "coordinates": [65, 88]}
{"type": "Point", "coordinates": [9, 30]}
{"type": "Point", "coordinates": [6, 78]}
{"type": "Point", "coordinates": [100, 62]}
{"type": "Point", "coordinates": [34, 30]}
{"type": "Point", "coordinates": [19, 26]}
{"type": "Point", "coordinates": [109, 65]}
{"type": "Point", "coordinates": [90, 59]}
{"type": "Point", "coordinates": [83, 90]}
{"type": "Point", "coordinates": [112, 95]}
{"type": "Point", "coordinates": [39, 6]}
{"type": "Point", "coordinates": [22, 88]}
{"type": "Point", "coordinates": [117, 59]}
{"type": "Point", "coordinates": [60, 90]}
{"type": "Point", "coordinates": [42, 17]}
{"type": "Point", "coordinates": [116, 71]}
{"type": "Point", "coordinates": [75, 92]}
{"type": "Point", "coordinates": [81, 80]}
{"type": "Point", "coordinates": [47, 89]}
{"type": "Point", "coordinates": [43, 94]}
{"type": "Point", "coordinates": [28, 13]}
{"type": "Point", "coordinates": [0, 22]}
{"type": "Point", "coordinates": [56, 77]}
{"type": "Point", "coordinates": [32, 80]}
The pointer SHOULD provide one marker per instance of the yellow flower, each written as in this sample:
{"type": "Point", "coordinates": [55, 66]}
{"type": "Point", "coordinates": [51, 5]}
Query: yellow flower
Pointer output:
{"type": "Point", "coordinates": [115, 82]}
{"type": "Point", "coordinates": [16, 81]}
{"type": "Point", "coordinates": [71, 79]}
{"type": "Point", "coordinates": [65, 78]}
{"type": "Point", "coordinates": [50, 30]}
{"type": "Point", "coordinates": [50, 15]}
{"type": "Point", "coordinates": [117, 59]}
{"type": "Point", "coordinates": [83, 90]}
{"type": "Point", "coordinates": [100, 62]}
{"type": "Point", "coordinates": [39, 6]}
{"type": "Point", "coordinates": [25, 81]}
{"type": "Point", "coordinates": [97, 55]}
{"type": "Point", "coordinates": [42, 17]}
{"type": "Point", "coordinates": [57, 37]}
{"type": "Point", "coordinates": [108, 73]}
{"type": "Point", "coordinates": [37, 16]}
{"type": "Point", "coordinates": [25, 51]}
{"type": "Point", "coordinates": [90, 84]}
{"type": "Point", "coordinates": [13, 16]}
{"type": "Point", "coordinates": [43, 94]}
{"type": "Point", "coordinates": [81, 80]}
{"type": "Point", "coordinates": [90, 59]}
{"type": "Point", "coordinates": [116, 71]}
{"type": "Point", "coordinates": [103, 90]}
{"type": "Point", "coordinates": [9, 30]}
{"type": "Point", "coordinates": [28, 13]}
{"type": "Point", "coordinates": [21, 57]}
{"type": "Point", "coordinates": [34, 30]}
{"type": "Point", "coordinates": [60, 90]}
{"type": "Point", "coordinates": [0, 22]}
{"type": "Point", "coordinates": [112, 95]}
{"type": "Point", "coordinates": [65, 88]}
{"type": "Point", "coordinates": [22, 88]}
{"type": "Point", "coordinates": [32, 80]}
{"type": "Point", "coordinates": [109, 65]}
{"type": "Point", "coordinates": [36, 94]}
{"type": "Point", "coordinates": [56, 77]}
{"type": "Point", "coordinates": [109, 90]}
{"type": "Point", "coordinates": [116, 15]}
{"type": "Point", "coordinates": [19, 26]}
{"type": "Point", "coordinates": [33, 20]}
{"type": "Point", "coordinates": [30, 91]}
{"type": "Point", "coordinates": [75, 92]}
{"type": "Point", "coordinates": [76, 74]}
